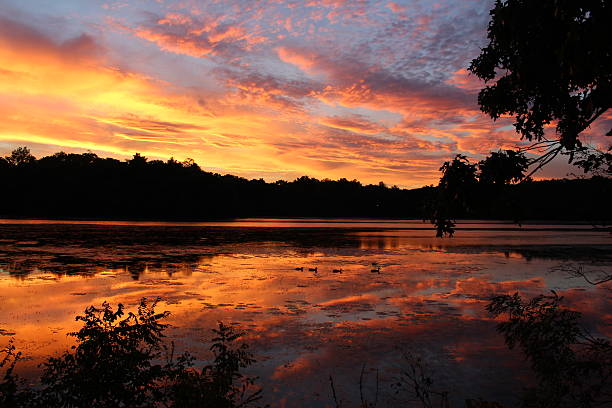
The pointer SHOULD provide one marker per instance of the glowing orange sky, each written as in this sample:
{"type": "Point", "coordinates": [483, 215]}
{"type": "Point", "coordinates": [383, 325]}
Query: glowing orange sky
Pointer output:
{"type": "Point", "coordinates": [372, 90]}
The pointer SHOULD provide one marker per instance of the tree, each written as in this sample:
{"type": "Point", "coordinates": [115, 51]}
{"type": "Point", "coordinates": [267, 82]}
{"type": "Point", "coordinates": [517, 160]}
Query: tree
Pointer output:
{"type": "Point", "coordinates": [137, 160]}
{"type": "Point", "coordinates": [548, 61]}
{"type": "Point", "coordinates": [467, 188]}
{"type": "Point", "coordinates": [20, 156]}
{"type": "Point", "coordinates": [503, 167]}
{"type": "Point", "coordinates": [456, 184]}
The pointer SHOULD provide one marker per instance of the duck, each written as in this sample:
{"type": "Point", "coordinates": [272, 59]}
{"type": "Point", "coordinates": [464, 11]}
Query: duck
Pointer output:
{"type": "Point", "coordinates": [301, 269]}
{"type": "Point", "coordinates": [337, 271]}
{"type": "Point", "coordinates": [315, 269]}
{"type": "Point", "coordinates": [377, 270]}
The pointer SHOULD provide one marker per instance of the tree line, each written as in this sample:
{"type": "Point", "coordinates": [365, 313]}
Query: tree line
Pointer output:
{"type": "Point", "coordinates": [68, 185]}
{"type": "Point", "coordinates": [86, 186]}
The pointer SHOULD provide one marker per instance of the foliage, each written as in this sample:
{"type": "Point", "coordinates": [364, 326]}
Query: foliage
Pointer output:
{"type": "Point", "coordinates": [11, 394]}
{"type": "Point", "coordinates": [454, 189]}
{"type": "Point", "coordinates": [121, 361]}
{"type": "Point", "coordinates": [113, 363]}
{"type": "Point", "coordinates": [92, 187]}
{"type": "Point", "coordinates": [220, 384]}
{"type": "Point", "coordinates": [21, 156]}
{"type": "Point", "coordinates": [503, 167]}
{"type": "Point", "coordinates": [595, 161]}
{"type": "Point", "coordinates": [550, 60]}
{"type": "Point", "coordinates": [573, 368]}
{"type": "Point", "coordinates": [416, 377]}
{"type": "Point", "coordinates": [85, 186]}
{"type": "Point", "coordinates": [498, 188]}
{"type": "Point", "coordinates": [465, 186]}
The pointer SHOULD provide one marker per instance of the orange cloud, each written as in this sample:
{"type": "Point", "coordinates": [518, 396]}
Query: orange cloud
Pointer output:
{"type": "Point", "coordinates": [356, 109]}
{"type": "Point", "coordinates": [354, 124]}
{"type": "Point", "coordinates": [465, 80]}
{"type": "Point", "coordinates": [303, 60]}
{"type": "Point", "coordinates": [396, 8]}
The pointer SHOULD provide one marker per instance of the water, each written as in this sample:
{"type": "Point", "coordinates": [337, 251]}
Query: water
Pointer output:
{"type": "Point", "coordinates": [428, 297]}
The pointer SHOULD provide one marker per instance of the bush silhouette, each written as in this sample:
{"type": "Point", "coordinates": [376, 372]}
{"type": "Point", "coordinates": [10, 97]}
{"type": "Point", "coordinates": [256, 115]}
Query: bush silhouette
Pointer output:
{"type": "Point", "coordinates": [121, 360]}
{"type": "Point", "coordinates": [113, 363]}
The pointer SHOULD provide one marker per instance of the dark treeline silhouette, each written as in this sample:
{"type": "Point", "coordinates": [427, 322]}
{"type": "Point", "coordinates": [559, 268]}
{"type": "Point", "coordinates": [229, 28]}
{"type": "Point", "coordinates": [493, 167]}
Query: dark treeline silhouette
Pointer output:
{"type": "Point", "coordinates": [85, 186]}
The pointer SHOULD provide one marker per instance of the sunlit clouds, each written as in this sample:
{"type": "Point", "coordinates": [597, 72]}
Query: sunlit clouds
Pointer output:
{"type": "Point", "coordinates": [373, 90]}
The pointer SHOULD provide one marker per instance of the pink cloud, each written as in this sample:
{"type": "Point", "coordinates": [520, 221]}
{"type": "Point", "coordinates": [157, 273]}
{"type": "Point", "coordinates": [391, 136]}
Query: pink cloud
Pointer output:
{"type": "Point", "coordinates": [396, 8]}
{"type": "Point", "coordinates": [303, 59]}
{"type": "Point", "coordinates": [196, 36]}
{"type": "Point", "coordinates": [463, 79]}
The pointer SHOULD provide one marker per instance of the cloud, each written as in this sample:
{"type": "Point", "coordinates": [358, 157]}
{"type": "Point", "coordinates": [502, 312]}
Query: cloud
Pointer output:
{"type": "Point", "coordinates": [395, 7]}
{"type": "Point", "coordinates": [326, 88]}
{"type": "Point", "coordinates": [19, 38]}
{"type": "Point", "coordinates": [463, 79]}
{"type": "Point", "coordinates": [355, 124]}
{"type": "Point", "coordinates": [193, 35]}
{"type": "Point", "coordinates": [303, 60]}
{"type": "Point", "coordinates": [60, 94]}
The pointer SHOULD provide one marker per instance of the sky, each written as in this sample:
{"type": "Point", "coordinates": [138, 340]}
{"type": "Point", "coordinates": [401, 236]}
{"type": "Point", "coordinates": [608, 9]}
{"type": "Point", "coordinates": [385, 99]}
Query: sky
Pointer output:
{"type": "Point", "coordinates": [361, 89]}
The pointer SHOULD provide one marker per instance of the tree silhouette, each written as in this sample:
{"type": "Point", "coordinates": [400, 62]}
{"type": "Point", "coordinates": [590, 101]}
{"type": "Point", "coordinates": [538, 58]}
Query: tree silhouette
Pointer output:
{"type": "Point", "coordinates": [454, 194]}
{"type": "Point", "coordinates": [550, 60]}
{"type": "Point", "coordinates": [220, 384]}
{"type": "Point", "coordinates": [503, 167]}
{"type": "Point", "coordinates": [86, 186]}
{"type": "Point", "coordinates": [19, 157]}
{"type": "Point", "coordinates": [573, 368]}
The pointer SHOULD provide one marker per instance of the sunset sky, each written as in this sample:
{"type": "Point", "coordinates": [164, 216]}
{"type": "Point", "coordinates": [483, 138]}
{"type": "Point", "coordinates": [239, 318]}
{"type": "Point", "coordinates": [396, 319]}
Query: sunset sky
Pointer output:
{"type": "Point", "coordinates": [366, 89]}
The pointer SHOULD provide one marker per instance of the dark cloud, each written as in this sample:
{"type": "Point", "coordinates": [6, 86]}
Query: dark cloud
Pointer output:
{"type": "Point", "coordinates": [27, 39]}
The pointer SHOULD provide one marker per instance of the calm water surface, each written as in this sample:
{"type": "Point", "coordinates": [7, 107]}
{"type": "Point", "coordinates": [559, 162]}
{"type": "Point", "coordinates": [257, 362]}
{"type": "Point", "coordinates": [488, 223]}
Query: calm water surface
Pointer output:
{"type": "Point", "coordinates": [303, 326]}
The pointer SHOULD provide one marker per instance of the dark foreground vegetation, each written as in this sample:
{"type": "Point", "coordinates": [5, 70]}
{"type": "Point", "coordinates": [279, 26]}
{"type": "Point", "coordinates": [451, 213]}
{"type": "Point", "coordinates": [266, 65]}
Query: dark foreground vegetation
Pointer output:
{"type": "Point", "coordinates": [121, 360]}
{"type": "Point", "coordinates": [85, 186]}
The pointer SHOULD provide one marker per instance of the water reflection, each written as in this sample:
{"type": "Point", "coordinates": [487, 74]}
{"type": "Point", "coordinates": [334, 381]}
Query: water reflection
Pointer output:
{"type": "Point", "coordinates": [303, 324]}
